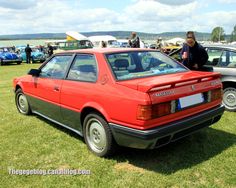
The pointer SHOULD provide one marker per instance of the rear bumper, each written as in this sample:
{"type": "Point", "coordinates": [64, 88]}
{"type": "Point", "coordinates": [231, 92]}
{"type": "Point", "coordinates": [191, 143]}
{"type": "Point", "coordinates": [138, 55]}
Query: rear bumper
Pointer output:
{"type": "Point", "coordinates": [161, 135]}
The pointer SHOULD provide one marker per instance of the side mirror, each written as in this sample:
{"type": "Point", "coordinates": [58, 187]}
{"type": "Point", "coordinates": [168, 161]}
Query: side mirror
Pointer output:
{"type": "Point", "coordinates": [34, 72]}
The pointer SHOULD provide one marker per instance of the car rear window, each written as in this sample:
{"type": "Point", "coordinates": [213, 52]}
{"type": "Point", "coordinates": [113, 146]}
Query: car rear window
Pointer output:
{"type": "Point", "coordinates": [131, 65]}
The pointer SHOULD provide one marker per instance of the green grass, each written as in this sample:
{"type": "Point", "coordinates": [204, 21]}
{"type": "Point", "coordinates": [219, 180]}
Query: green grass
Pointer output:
{"type": "Point", "coordinates": [205, 159]}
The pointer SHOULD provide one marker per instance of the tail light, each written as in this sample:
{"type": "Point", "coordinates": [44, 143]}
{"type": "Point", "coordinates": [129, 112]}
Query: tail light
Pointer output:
{"type": "Point", "coordinates": [148, 112]}
{"type": "Point", "coordinates": [215, 94]}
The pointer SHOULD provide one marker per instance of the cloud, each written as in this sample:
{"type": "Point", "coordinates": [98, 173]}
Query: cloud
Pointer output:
{"type": "Point", "coordinates": [227, 1]}
{"type": "Point", "coordinates": [214, 19]}
{"type": "Point", "coordinates": [17, 4]}
{"type": "Point", "coordinates": [146, 16]}
{"type": "Point", "coordinates": [174, 2]}
{"type": "Point", "coordinates": [155, 11]}
{"type": "Point", "coordinates": [156, 17]}
{"type": "Point", "coordinates": [56, 16]}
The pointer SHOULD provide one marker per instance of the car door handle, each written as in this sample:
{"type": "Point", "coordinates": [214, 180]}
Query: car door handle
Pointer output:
{"type": "Point", "coordinates": [56, 88]}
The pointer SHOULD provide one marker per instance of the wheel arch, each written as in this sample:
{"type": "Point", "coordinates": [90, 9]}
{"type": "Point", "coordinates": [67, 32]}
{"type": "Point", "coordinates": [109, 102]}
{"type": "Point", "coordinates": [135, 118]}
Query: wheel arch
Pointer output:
{"type": "Point", "coordinates": [93, 107]}
{"type": "Point", "coordinates": [18, 86]}
{"type": "Point", "coordinates": [229, 84]}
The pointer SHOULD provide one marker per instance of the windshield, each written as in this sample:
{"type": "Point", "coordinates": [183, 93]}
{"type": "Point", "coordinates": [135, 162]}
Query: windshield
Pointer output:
{"type": "Point", "coordinates": [131, 65]}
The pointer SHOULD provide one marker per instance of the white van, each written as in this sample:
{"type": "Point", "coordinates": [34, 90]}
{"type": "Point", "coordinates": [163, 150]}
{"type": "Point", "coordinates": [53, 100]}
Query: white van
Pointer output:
{"type": "Point", "coordinates": [109, 40]}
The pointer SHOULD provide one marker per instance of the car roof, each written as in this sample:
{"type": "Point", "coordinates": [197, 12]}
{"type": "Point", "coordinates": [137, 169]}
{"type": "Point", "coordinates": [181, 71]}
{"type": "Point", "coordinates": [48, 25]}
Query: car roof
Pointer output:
{"type": "Point", "coordinates": [106, 50]}
{"type": "Point", "coordinates": [222, 46]}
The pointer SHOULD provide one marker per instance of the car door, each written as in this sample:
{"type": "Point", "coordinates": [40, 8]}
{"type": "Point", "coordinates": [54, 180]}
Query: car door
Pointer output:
{"type": "Point", "coordinates": [78, 88]}
{"type": "Point", "coordinates": [45, 89]}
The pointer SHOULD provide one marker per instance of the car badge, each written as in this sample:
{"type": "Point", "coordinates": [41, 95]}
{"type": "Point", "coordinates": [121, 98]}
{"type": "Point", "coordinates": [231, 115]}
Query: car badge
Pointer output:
{"type": "Point", "coordinates": [193, 87]}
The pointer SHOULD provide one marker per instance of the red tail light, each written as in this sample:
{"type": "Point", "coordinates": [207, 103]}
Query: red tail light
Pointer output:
{"type": "Point", "coordinates": [144, 112]}
{"type": "Point", "coordinates": [216, 94]}
{"type": "Point", "coordinates": [148, 112]}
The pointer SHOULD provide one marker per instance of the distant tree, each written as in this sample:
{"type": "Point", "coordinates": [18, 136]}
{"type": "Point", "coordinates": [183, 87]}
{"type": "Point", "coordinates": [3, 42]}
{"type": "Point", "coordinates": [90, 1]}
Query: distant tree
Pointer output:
{"type": "Point", "coordinates": [217, 34]}
{"type": "Point", "coordinates": [233, 35]}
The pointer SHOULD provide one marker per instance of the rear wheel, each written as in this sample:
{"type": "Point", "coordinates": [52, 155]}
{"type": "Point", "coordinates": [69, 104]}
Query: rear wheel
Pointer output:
{"type": "Point", "coordinates": [98, 136]}
{"type": "Point", "coordinates": [229, 98]}
{"type": "Point", "coordinates": [22, 103]}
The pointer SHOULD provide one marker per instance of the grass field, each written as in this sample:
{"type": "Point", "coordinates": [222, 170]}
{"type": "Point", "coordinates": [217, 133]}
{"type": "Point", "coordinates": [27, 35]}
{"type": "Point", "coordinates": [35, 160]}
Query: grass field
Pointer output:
{"type": "Point", "coordinates": [205, 159]}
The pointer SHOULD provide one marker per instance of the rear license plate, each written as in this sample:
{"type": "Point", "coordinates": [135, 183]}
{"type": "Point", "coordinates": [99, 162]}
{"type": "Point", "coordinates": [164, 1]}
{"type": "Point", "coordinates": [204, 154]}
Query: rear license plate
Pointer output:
{"type": "Point", "coordinates": [190, 100]}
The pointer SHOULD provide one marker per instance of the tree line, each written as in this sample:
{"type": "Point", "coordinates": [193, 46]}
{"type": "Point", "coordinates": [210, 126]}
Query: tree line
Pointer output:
{"type": "Point", "coordinates": [218, 34]}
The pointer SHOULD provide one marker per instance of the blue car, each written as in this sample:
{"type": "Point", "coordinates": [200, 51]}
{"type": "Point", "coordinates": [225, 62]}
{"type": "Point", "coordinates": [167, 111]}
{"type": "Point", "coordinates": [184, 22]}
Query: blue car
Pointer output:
{"type": "Point", "coordinates": [36, 55]}
{"type": "Point", "coordinates": [7, 56]}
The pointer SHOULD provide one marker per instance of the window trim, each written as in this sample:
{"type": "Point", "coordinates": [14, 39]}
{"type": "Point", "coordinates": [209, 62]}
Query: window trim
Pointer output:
{"type": "Point", "coordinates": [117, 80]}
{"type": "Point", "coordinates": [223, 50]}
{"type": "Point", "coordinates": [72, 63]}
{"type": "Point", "coordinates": [219, 49]}
{"type": "Point", "coordinates": [57, 55]}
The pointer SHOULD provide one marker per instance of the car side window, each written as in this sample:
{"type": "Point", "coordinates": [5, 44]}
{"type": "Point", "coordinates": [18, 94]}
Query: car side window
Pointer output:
{"type": "Point", "coordinates": [224, 59]}
{"type": "Point", "coordinates": [84, 68]}
{"type": "Point", "coordinates": [232, 60]}
{"type": "Point", "coordinates": [56, 67]}
{"type": "Point", "coordinates": [214, 56]}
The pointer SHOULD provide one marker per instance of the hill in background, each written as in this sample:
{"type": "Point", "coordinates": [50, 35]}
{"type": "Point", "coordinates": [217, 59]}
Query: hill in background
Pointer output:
{"type": "Point", "coordinates": [118, 34]}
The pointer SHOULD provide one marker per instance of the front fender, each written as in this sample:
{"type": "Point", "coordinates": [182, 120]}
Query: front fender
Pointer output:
{"type": "Point", "coordinates": [17, 84]}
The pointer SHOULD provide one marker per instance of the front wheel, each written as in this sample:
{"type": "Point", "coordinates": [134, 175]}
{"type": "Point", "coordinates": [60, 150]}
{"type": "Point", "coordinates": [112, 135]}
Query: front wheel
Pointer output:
{"type": "Point", "coordinates": [22, 103]}
{"type": "Point", "coordinates": [98, 136]}
{"type": "Point", "coordinates": [229, 99]}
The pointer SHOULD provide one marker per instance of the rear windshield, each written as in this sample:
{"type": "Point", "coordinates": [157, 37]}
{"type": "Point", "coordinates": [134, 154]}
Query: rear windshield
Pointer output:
{"type": "Point", "coordinates": [131, 65]}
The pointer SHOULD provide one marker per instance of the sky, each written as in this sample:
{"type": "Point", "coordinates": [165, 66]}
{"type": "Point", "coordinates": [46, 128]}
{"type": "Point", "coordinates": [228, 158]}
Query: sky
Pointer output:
{"type": "Point", "coordinates": [151, 16]}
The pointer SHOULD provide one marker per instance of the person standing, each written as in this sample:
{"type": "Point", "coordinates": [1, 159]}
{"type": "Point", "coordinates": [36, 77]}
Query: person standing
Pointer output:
{"type": "Point", "coordinates": [134, 42]}
{"type": "Point", "coordinates": [41, 48]}
{"type": "Point", "coordinates": [193, 54]}
{"type": "Point", "coordinates": [14, 49]}
{"type": "Point", "coordinates": [103, 44]}
{"type": "Point", "coordinates": [159, 44]}
{"type": "Point", "coordinates": [50, 50]}
{"type": "Point", "coordinates": [28, 51]}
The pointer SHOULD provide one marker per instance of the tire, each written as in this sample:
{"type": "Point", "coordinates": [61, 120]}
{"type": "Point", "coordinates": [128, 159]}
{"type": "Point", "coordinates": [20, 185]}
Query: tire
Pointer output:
{"type": "Point", "coordinates": [229, 99]}
{"type": "Point", "coordinates": [19, 62]}
{"type": "Point", "coordinates": [98, 136]}
{"type": "Point", "coordinates": [22, 103]}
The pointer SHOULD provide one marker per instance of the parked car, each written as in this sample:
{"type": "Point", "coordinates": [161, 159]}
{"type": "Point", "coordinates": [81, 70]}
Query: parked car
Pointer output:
{"type": "Point", "coordinates": [7, 56]}
{"type": "Point", "coordinates": [171, 48]}
{"type": "Point", "coordinates": [138, 98]}
{"type": "Point", "coordinates": [222, 58]}
{"type": "Point", "coordinates": [36, 54]}
{"type": "Point", "coordinates": [64, 45]}
{"type": "Point", "coordinates": [121, 43]}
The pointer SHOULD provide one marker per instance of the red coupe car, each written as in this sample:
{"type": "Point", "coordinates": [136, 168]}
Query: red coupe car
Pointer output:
{"type": "Point", "coordinates": [138, 98]}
